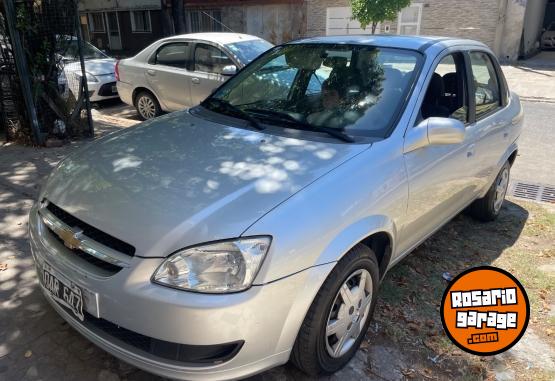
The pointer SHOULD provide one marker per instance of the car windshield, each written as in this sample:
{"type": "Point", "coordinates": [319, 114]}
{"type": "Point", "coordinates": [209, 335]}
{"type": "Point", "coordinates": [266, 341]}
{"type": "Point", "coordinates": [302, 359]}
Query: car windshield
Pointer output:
{"type": "Point", "coordinates": [353, 89]}
{"type": "Point", "coordinates": [69, 50]}
{"type": "Point", "coordinates": [246, 51]}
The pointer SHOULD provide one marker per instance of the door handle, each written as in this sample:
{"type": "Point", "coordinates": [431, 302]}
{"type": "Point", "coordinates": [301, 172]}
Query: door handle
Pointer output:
{"type": "Point", "coordinates": [195, 80]}
{"type": "Point", "coordinates": [151, 72]}
{"type": "Point", "coordinates": [470, 151]}
{"type": "Point", "coordinates": [505, 135]}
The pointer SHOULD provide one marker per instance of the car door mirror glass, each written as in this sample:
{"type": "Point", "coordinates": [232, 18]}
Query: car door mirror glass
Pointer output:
{"type": "Point", "coordinates": [229, 70]}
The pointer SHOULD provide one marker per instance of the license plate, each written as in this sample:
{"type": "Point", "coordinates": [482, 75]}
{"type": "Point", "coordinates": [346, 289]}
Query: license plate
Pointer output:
{"type": "Point", "coordinates": [64, 292]}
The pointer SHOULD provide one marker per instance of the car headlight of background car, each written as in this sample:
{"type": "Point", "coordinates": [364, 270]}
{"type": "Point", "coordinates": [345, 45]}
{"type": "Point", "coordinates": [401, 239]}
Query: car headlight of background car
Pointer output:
{"type": "Point", "coordinates": [89, 76]}
{"type": "Point", "coordinates": [220, 267]}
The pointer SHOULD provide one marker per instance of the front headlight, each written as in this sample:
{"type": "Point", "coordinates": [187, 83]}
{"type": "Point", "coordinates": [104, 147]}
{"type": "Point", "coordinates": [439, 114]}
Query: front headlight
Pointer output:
{"type": "Point", "coordinates": [89, 76]}
{"type": "Point", "coordinates": [227, 266]}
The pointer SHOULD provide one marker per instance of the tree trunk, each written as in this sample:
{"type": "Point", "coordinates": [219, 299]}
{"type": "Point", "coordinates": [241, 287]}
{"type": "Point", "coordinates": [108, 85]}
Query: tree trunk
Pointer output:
{"type": "Point", "coordinates": [374, 25]}
{"type": "Point", "coordinates": [178, 16]}
{"type": "Point", "coordinates": [167, 20]}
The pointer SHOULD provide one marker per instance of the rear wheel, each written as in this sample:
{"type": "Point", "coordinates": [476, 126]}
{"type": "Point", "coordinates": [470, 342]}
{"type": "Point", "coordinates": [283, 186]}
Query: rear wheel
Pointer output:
{"type": "Point", "coordinates": [337, 320]}
{"type": "Point", "coordinates": [147, 106]}
{"type": "Point", "coordinates": [488, 208]}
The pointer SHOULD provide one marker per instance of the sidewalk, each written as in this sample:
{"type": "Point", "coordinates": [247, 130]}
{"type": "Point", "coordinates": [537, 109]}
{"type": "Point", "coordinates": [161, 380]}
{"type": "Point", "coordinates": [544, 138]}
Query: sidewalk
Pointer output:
{"type": "Point", "coordinates": [533, 79]}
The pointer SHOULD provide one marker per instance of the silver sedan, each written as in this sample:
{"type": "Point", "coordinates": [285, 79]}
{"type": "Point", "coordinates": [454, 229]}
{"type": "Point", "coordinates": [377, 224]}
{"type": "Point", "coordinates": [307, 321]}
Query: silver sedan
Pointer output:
{"type": "Point", "coordinates": [180, 71]}
{"type": "Point", "coordinates": [256, 228]}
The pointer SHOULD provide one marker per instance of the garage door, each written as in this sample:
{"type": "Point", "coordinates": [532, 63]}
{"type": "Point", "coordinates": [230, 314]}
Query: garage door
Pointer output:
{"type": "Point", "coordinates": [339, 22]}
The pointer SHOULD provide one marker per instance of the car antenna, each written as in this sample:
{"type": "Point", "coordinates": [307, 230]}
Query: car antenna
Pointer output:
{"type": "Point", "coordinates": [219, 22]}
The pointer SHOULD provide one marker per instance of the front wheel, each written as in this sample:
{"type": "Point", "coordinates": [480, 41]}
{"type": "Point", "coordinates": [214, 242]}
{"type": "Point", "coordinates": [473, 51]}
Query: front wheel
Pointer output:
{"type": "Point", "coordinates": [338, 319]}
{"type": "Point", "coordinates": [488, 208]}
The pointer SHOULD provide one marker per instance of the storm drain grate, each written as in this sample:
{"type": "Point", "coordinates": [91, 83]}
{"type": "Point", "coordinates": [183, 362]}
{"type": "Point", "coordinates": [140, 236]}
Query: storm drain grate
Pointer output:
{"type": "Point", "coordinates": [532, 191]}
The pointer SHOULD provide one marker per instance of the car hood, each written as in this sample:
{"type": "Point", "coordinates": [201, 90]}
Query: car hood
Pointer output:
{"type": "Point", "coordinates": [102, 66]}
{"type": "Point", "coordinates": [180, 180]}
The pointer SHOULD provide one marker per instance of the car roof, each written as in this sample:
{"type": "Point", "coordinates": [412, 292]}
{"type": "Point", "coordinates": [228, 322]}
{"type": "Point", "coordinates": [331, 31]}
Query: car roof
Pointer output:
{"type": "Point", "coordinates": [217, 37]}
{"type": "Point", "coordinates": [392, 41]}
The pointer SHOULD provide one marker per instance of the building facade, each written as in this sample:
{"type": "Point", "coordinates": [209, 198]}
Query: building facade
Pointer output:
{"type": "Point", "coordinates": [511, 28]}
{"type": "Point", "coordinates": [122, 27]}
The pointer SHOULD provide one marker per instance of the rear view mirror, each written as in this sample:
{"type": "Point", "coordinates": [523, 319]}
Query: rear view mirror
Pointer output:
{"type": "Point", "coordinates": [229, 70]}
{"type": "Point", "coordinates": [434, 131]}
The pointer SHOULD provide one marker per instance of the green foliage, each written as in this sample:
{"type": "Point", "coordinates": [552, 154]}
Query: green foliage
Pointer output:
{"type": "Point", "coordinates": [372, 12]}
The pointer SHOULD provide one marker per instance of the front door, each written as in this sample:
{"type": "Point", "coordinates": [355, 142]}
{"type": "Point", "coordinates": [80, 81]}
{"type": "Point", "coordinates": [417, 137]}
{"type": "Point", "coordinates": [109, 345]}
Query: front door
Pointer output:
{"type": "Point", "coordinates": [441, 177]}
{"type": "Point", "coordinates": [208, 65]}
{"type": "Point", "coordinates": [114, 36]}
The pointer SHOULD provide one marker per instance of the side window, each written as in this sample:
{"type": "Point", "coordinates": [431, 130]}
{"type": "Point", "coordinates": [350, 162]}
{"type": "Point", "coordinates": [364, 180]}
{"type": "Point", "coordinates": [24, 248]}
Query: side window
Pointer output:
{"type": "Point", "coordinates": [175, 55]}
{"type": "Point", "coordinates": [486, 84]}
{"type": "Point", "coordinates": [446, 95]}
{"type": "Point", "coordinates": [210, 59]}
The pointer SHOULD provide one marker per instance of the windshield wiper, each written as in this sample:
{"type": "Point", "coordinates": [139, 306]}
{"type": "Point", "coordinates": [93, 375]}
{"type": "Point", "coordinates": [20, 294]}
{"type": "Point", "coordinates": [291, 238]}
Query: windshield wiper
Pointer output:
{"type": "Point", "coordinates": [285, 117]}
{"type": "Point", "coordinates": [234, 110]}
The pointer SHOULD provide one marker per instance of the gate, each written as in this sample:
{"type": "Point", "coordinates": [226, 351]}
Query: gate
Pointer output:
{"type": "Point", "coordinates": [43, 90]}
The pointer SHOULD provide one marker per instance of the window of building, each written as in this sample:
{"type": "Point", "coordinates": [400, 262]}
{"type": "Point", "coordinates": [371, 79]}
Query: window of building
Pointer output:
{"type": "Point", "coordinates": [210, 59]}
{"type": "Point", "coordinates": [140, 22]}
{"type": "Point", "coordinates": [204, 20]}
{"type": "Point", "coordinates": [409, 20]}
{"type": "Point", "coordinates": [486, 84]}
{"type": "Point", "coordinates": [175, 55]}
{"type": "Point", "coordinates": [96, 22]}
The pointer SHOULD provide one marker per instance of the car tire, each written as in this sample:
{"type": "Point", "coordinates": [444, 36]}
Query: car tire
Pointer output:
{"type": "Point", "coordinates": [317, 348]}
{"type": "Point", "coordinates": [487, 208]}
{"type": "Point", "coordinates": [147, 106]}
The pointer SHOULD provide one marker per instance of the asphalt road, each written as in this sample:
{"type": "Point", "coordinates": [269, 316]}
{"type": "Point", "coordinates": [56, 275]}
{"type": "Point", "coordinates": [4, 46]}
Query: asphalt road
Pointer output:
{"type": "Point", "coordinates": [535, 163]}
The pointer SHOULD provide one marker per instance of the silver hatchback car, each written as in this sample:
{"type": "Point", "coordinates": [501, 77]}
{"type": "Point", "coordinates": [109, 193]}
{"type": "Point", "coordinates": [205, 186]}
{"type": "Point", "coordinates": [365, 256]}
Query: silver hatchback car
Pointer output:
{"type": "Point", "coordinates": [255, 228]}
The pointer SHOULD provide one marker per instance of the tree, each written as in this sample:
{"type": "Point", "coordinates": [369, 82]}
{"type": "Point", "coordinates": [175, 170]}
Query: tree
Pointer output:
{"type": "Point", "coordinates": [173, 17]}
{"type": "Point", "coordinates": [372, 12]}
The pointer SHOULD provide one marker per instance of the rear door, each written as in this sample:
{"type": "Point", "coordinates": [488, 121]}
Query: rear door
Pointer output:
{"type": "Point", "coordinates": [168, 75]}
{"type": "Point", "coordinates": [489, 97]}
{"type": "Point", "coordinates": [207, 66]}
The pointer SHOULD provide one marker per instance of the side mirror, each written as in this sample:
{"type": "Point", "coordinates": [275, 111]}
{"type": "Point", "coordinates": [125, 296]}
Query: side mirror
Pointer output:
{"type": "Point", "coordinates": [229, 70]}
{"type": "Point", "coordinates": [434, 131]}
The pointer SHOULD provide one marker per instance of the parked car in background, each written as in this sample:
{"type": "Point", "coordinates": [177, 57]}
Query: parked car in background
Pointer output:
{"type": "Point", "coordinates": [99, 68]}
{"type": "Point", "coordinates": [181, 71]}
{"type": "Point", "coordinates": [548, 37]}
{"type": "Point", "coordinates": [256, 228]}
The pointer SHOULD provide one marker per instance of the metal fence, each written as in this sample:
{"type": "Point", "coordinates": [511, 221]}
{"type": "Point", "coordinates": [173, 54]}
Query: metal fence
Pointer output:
{"type": "Point", "coordinates": [44, 88]}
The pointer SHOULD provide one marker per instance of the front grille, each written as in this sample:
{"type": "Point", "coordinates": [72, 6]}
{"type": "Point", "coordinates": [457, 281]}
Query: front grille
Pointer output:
{"type": "Point", "coordinates": [106, 90]}
{"type": "Point", "coordinates": [191, 354]}
{"type": "Point", "coordinates": [91, 232]}
{"type": "Point", "coordinates": [110, 268]}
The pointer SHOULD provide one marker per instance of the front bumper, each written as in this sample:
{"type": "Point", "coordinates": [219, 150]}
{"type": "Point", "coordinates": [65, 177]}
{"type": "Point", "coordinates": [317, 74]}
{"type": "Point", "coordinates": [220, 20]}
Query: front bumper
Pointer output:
{"type": "Point", "coordinates": [265, 319]}
{"type": "Point", "coordinates": [548, 43]}
{"type": "Point", "coordinates": [99, 91]}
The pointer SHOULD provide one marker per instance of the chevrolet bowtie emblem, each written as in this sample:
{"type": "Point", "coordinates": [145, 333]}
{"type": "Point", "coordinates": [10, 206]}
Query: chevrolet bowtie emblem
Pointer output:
{"type": "Point", "coordinates": [71, 238]}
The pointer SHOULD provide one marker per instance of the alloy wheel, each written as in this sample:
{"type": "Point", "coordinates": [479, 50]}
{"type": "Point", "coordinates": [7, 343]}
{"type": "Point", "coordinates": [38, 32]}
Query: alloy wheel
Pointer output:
{"type": "Point", "coordinates": [349, 313]}
{"type": "Point", "coordinates": [146, 107]}
{"type": "Point", "coordinates": [501, 186]}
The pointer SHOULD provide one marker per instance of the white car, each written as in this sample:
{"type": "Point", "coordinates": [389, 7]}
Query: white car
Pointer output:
{"type": "Point", "coordinates": [99, 68]}
{"type": "Point", "coordinates": [181, 71]}
{"type": "Point", "coordinates": [548, 37]}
